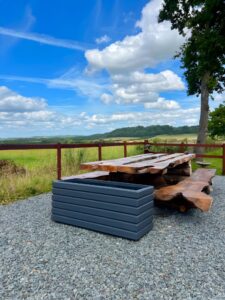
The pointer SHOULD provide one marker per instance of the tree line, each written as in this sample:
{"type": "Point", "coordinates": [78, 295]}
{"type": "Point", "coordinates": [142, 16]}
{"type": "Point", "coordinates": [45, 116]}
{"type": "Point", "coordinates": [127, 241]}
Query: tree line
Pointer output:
{"type": "Point", "coordinates": [131, 132]}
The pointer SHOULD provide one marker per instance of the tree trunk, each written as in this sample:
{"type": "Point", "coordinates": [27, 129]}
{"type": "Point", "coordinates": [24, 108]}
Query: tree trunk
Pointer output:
{"type": "Point", "coordinates": [204, 114]}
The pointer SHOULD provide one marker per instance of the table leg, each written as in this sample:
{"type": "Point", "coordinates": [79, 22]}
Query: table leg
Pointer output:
{"type": "Point", "coordinates": [184, 169]}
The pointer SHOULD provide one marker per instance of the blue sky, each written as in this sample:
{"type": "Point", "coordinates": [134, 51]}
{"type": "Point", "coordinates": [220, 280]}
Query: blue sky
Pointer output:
{"type": "Point", "coordinates": [88, 66]}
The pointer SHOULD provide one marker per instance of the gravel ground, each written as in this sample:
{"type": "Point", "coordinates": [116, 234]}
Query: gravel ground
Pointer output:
{"type": "Point", "coordinates": [183, 257]}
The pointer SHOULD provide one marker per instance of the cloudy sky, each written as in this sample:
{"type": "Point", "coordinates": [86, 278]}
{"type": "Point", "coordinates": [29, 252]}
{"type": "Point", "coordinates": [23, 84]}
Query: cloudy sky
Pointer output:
{"type": "Point", "coordinates": [88, 66]}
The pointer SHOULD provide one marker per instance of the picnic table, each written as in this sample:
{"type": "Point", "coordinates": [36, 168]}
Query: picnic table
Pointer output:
{"type": "Point", "coordinates": [151, 163]}
{"type": "Point", "coordinates": [170, 174]}
{"type": "Point", "coordinates": [157, 169]}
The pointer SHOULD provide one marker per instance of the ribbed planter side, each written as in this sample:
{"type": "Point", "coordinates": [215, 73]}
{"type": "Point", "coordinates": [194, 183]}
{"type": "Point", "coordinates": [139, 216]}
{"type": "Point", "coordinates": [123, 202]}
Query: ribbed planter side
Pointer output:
{"type": "Point", "coordinates": [117, 208]}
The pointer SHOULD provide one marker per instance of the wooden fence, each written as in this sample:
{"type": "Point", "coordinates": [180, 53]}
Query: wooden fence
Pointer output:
{"type": "Point", "coordinates": [147, 148]}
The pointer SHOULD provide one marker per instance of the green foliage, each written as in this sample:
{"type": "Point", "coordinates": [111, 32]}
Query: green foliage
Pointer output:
{"type": "Point", "coordinates": [217, 122]}
{"type": "Point", "coordinates": [203, 24]}
{"type": "Point", "coordinates": [72, 159]}
{"type": "Point", "coordinates": [139, 149]}
{"type": "Point", "coordinates": [151, 131]}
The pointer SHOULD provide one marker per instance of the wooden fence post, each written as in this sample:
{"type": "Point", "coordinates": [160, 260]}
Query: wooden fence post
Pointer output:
{"type": "Point", "coordinates": [59, 161]}
{"type": "Point", "coordinates": [223, 160]}
{"type": "Point", "coordinates": [145, 146]}
{"type": "Point", "coordinates": [125, 148]}
{"type": "Point", "coordinates": [99, 152]}
{"type": "Point", "coordinates": [182, 147]}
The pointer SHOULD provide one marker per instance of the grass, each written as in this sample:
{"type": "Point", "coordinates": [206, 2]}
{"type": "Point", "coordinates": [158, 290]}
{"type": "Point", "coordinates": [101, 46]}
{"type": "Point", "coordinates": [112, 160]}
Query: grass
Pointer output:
{"type": "Point", "coordinates": [189, 137]}
{"type": "Point", "coordinates": [40, 165]}
{"type": "Point", "coordinates": [215, 162]}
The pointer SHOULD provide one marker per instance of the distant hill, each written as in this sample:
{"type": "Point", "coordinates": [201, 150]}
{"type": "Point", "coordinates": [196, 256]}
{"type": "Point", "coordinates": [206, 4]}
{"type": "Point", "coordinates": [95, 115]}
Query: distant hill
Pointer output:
{"type": "Point", "coordinates": [131, 132]}
{"type": "Point", "coordinates": [147, 132]}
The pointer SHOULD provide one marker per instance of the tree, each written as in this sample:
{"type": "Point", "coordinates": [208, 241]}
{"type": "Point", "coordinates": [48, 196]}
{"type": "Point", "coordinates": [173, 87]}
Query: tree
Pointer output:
{"type": "Point", "coordinates": [202, 55]}
{"type": "Point", "coordinates": [217, 122]}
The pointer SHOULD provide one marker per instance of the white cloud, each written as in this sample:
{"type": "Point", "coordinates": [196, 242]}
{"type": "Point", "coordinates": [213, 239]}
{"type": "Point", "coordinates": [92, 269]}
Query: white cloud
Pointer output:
{"type": "Point", "coordinates": [11, 101]}
{"type": "Point", "coordinates": [25, 121]}
{"type": "Point", "coordinates": [139, 87]}
{"type": "Point", "coordinates": [163, 81]}
{"type": "Point", "coordinates": [219, 97]}
{"type": "Point", "coordinates": [103, 39]}
{"type": "Point", "coordinates": [106, 98]}
{"type": "Point", "coordinates": [126, 62]}
{"type": "Point", "coordinates": [217, 100]}
{"type": "Point", "coordinates": [173, 117]}
{"type": "Point", "coordinates": [79, 83]}
{"type": "Point", "coordinates": [35, 116]}
{"type": "Point", "coordinates": [154, 43]}
{"type": "Point", "coordinates": [27, 22]}
{"type": "Point", "coordinates": [17, 111]}
{"type": "Point", "coordinates": [74, 80]}
{"type": "Point", "coordinates": [37, 120]}
{"type": "Point", "coordinates": [43, 39]}
{"type": "Point", "coordinates": [162, 104]}
{"type": "Point", "coordinates": [133, 88]}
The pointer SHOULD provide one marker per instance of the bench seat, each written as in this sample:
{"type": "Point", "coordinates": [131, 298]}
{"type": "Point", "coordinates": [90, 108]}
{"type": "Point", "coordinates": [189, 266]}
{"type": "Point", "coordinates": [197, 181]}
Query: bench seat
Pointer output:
{"type": "Point", "coordinates": [191, 192]}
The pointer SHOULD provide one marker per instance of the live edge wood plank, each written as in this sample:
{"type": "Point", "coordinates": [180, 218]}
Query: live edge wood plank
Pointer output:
{"type": "Point", "coordinates": [112, 164]}
{"type": "Point", "coordinates": [191, 192]}
{"type": "Point", "coordinates": [143, 166]}
{"type": "Point", "coordinates": [139, 164]}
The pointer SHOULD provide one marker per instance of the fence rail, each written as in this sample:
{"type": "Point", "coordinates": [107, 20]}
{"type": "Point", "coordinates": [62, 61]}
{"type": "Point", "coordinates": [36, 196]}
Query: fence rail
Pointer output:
{"type": "Point", "coordinates": [58, 147]}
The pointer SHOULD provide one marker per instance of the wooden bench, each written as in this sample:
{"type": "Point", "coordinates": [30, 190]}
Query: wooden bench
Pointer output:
{"type": "Point", "coordinates": [90, 175]}
{"type": "Point", "coordinates": [192, 192]}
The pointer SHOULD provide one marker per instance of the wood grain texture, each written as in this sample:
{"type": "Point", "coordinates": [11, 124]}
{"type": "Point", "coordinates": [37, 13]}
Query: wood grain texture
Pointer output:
{"type": "Point", "coordinates": [192, 192]}
{"type": "Point", "coordinates": [139, 164]}
{"type": "Point", "coordinates": [112, 165]}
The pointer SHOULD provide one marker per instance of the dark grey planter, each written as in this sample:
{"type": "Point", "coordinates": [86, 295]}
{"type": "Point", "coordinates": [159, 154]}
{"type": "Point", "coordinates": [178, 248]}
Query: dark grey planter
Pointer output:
{"type": "Point", "coordinates": [117, 208]}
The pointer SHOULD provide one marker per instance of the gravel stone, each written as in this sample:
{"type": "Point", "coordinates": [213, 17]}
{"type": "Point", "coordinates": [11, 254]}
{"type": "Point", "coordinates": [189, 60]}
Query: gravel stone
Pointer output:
{"type": "Point", "coordinates": [183, 257]}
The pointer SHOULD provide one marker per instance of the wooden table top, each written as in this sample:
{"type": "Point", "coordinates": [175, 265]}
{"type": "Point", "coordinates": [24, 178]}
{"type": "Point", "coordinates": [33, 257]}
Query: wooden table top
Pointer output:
{"type": "Point", "coordinates": [139, 164]}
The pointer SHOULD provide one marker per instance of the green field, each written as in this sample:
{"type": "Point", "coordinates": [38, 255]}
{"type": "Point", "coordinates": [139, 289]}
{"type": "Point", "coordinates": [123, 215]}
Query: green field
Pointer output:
{"type": "Point", "coordinates": [188, 137]}
{"type": "Point", "coordinates": [40, 165]}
